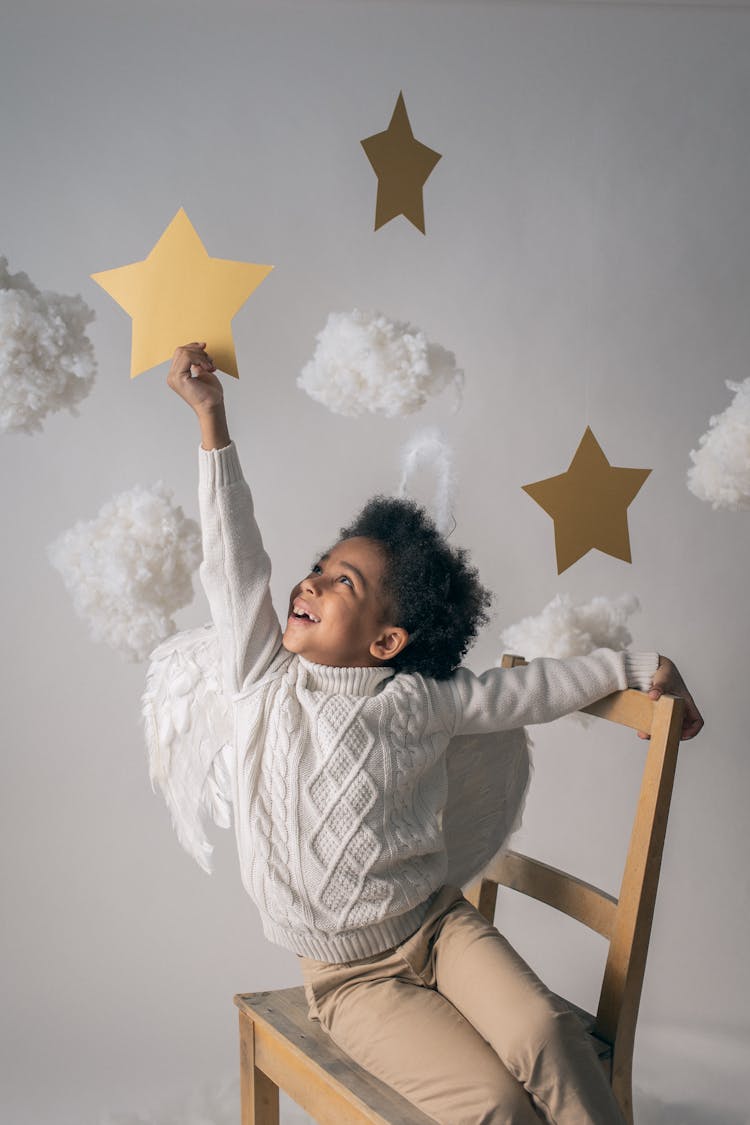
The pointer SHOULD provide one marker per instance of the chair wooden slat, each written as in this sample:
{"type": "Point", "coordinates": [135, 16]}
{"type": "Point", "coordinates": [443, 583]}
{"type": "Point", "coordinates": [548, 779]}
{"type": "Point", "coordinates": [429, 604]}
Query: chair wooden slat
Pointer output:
{"type": "Point", "coordinates": [629, 708]}
{"type": "Point", "coordinates": [580, 900]}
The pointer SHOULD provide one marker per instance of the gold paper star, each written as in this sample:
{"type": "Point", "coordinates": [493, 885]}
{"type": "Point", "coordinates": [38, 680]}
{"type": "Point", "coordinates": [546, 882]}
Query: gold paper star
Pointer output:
{"type": "Point", "coordinates": [589, 504]}
{"type": "Point", "coordinates": [402, 165]}
{"type": "Point", "coordinates": [178, 294]}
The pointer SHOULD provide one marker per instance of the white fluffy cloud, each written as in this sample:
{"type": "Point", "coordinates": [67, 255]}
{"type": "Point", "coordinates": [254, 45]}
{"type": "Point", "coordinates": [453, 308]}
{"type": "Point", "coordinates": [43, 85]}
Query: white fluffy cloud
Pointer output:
{"type": "Point", "coordinates": [721, 465]}
{"type": "Point", "coordinates": [130, 568]}
{"type": "Point", "coordinates": [364, 363]}
{"type": "Point", "coordinates": [564, 628]}
{"type": "Point", "coordinates": [46, 359]}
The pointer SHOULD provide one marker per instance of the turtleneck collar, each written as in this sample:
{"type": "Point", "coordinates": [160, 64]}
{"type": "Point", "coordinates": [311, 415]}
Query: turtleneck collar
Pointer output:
{"type": "Point", "coordinates": [342, 681]}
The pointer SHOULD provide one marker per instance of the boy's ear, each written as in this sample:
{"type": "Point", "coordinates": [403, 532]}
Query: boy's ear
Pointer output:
{"type": "Point", "coordinates": [390, 643]}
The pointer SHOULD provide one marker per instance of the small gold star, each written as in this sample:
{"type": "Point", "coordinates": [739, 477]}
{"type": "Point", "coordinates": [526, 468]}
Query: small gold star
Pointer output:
{"type": "Point", "coordinates": [589, 504]}
{"type": "Point", "coordinates": [402, 165]}
{"type": "Point", "coordinates": [178, 294]}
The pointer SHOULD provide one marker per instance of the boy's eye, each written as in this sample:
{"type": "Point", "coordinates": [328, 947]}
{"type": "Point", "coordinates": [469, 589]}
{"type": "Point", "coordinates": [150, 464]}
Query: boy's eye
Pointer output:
{"type": "Point", "coordinates": [316, 568]}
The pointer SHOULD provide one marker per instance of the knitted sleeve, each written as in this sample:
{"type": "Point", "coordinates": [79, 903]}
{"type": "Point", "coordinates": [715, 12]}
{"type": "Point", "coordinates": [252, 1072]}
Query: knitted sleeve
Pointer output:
{"type": "Point", "coordinates": [544, 689]}
{"type": "Point", "coordinates": [235, 571]}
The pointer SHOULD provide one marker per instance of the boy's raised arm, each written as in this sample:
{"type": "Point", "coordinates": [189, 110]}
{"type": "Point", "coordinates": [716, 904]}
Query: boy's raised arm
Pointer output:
{"type": "Point", "coordinates": [236, 570]}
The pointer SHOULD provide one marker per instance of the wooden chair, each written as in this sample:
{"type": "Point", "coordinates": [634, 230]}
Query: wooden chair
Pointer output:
{"type": "Point", "coordinates": [281, 1048]}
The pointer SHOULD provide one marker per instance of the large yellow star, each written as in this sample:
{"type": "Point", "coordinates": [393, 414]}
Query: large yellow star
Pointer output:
{"type": "Point", "coordinates": [178, 294]}
{"type": "Point", "coordinates": [589, 504]}
{"type": "Point", "coordinates": [402, 165]}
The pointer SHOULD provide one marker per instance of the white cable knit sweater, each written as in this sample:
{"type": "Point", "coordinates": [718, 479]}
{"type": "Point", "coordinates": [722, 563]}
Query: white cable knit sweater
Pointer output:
{"type": "Point", "coordinates": [339, 777]}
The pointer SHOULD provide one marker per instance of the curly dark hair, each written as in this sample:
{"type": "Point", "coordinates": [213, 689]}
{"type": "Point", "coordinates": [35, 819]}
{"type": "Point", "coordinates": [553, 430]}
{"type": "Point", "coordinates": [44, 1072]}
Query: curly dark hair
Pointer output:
{"type": "Point", "coordinates": [431, 589]}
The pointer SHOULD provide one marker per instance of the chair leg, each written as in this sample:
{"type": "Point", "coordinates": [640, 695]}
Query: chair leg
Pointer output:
{"type": "Point", "coordinates": [622, 1088]}
{"type": "Point", "coordinates": [259, 1096]}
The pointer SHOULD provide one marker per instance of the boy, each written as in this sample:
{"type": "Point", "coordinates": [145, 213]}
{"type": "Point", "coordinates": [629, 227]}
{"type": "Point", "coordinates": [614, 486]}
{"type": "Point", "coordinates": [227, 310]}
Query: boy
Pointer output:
{"type": "Point", "coordinates": [342, 721]}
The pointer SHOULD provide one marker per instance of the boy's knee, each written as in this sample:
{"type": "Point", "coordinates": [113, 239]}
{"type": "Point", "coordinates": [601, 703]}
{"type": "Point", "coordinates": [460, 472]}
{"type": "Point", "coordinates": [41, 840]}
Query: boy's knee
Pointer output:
{"type": "Point", "coordinates": [548, 1023]}
{"type": "Point", "coordinates": [555, 1035]}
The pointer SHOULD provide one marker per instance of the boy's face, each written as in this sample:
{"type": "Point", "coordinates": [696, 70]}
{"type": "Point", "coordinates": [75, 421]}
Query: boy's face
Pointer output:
{"type": "Point", "coordinates": [337, 614]}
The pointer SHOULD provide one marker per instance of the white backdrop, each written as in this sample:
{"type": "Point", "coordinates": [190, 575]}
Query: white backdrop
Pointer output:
{"type": "Point", "coordinates": [587, 258]}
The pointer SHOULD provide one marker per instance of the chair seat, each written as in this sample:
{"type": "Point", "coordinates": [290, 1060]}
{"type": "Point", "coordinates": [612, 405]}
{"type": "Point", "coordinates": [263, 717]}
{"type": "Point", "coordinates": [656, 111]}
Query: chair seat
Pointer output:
{"type": "Point", "coordinates": [299, 1055]}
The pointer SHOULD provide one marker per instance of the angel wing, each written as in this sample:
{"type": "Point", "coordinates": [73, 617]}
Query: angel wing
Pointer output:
{"type": "Point", "coordinates": [189, 736]}
{"type": "Point", "coordinates": [188, 724]}
{"type": "Point", "coordinates": [488, 780]}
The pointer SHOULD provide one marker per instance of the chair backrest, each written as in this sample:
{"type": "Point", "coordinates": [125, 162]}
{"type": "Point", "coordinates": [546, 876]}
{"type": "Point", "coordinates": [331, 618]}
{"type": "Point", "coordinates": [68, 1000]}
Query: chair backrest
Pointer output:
{"type": "Point", "coordinates": [625, 921]}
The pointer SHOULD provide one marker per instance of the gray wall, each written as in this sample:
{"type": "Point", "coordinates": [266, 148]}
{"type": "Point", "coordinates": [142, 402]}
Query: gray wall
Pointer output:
{"type": "Point", "coordinates": [587, 259]}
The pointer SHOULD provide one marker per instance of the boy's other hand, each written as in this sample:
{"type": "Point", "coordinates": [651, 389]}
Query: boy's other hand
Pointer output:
{"type": "Point", "coordinates": [192, 376]}
{"type": "Point", "coordinates": [667, 679]}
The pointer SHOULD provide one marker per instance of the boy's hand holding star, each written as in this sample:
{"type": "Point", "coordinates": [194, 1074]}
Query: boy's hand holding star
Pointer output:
{"type": "Point", "coordinates": [193, 377]}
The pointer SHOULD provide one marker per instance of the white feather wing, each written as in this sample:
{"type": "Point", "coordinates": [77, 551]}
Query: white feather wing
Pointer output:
{"type": "Point", "coordinates": [488, 779]}
{"type": "Point", "coordinates": [188, 723]}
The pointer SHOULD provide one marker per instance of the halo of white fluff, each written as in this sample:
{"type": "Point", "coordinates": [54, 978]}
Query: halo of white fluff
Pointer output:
{"type": "Point", "coordinates": [130, 568]}
{"type": "Point", "coordinates": [564, 628]}
{"type": "Point", "coordinates": [721, 465]}
{"type": "Point", "coordinates": [364, 363]}
{"type": "Point", "coordinates": [46, 360]}
{"type": "Point", "coordinates": [429, 448]}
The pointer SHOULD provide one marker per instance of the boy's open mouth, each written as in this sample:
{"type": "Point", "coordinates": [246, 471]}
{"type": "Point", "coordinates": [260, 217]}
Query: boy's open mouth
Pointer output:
{"type": "Point", "coordinates": [301, 614]}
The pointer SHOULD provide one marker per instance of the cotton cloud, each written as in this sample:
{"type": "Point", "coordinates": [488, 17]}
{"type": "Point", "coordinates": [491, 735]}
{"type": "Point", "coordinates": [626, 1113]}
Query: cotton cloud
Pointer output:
{"type": "Point", "coordinates": [721, 465]}
{"type": "Point", "coordinates": [364, 363]}
{"type": "Point", "coordinates": [130, 568]}
{"type": "Point", "coordinates": [46, 360]}
{"type": "Point", "coordinates": [565, 629]}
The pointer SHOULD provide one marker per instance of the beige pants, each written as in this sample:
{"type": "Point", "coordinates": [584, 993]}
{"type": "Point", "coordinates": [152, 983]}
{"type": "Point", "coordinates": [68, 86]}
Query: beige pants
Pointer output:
{"type": "Point", "coordinates": [455, 1021]}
